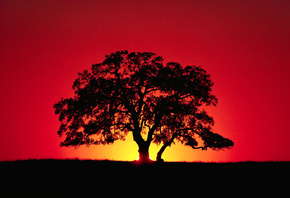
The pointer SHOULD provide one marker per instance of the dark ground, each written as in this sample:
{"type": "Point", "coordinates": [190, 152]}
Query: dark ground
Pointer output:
{"type": "Point", "coordinates": [115, 179]}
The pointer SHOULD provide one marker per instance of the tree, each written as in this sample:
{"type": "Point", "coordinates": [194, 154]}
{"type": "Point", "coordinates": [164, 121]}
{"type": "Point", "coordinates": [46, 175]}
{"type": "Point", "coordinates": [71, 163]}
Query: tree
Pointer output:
{"type": "Point", "coordinates": [135, 93]}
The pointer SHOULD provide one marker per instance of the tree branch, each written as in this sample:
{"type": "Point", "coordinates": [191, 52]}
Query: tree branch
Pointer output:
{"type": "Point", "coordinates": [158, 118]}
{"type": "Point", "coordinates": [147, 125]}
{"type": "Point", "coordinates": [154, 89]}
{"type": "Point", "coordinates": [166, 144]}
{"type": "Point", "coordinates": [200, 147]}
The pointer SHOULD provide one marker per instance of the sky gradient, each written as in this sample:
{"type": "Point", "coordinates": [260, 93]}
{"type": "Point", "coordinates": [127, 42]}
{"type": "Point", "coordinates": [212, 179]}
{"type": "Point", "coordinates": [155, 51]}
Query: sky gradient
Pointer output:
{"type": "Point", "coordinates": [244, 45]}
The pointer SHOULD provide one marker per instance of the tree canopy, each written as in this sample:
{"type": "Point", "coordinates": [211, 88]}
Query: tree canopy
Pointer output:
{"type": "Point", "coordinates": [136, 93]}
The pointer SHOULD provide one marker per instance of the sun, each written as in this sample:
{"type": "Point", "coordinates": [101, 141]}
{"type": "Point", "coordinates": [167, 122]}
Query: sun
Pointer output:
{"type": "Point", "coordinates": [138, 158]}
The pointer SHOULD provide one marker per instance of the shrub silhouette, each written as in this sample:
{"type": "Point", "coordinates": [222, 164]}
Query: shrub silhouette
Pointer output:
{"type": "Point", "coordinates": [136, 93]}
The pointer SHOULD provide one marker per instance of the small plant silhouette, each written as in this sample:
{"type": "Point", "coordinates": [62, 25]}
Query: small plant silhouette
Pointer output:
{"type": "Point", "coordinates": [135, 93]}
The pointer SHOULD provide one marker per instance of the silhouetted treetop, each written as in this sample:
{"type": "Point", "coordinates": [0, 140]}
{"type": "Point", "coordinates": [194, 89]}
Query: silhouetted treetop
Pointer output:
{"type": "Point", "coordinates": [135, 92]}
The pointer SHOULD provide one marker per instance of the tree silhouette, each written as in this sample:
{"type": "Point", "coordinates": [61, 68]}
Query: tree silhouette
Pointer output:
{"type": "Point", "coordinates": [135, 92]}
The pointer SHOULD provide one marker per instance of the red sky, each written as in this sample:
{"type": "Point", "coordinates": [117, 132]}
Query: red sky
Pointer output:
{"type": "Point", "coordinates": [244, 45]}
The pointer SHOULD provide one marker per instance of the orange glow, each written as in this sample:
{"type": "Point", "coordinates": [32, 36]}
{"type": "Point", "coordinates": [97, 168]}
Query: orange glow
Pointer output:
{"type": "Point", "coordinates": [137, 159]}
{"type": "Point", "coordinates": [149, 158]}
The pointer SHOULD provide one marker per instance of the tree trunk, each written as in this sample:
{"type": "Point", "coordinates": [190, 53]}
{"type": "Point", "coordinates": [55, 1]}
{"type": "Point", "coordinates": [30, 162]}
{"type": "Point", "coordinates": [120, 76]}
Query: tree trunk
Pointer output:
{"type": "Point", "coordinates": [143, 147]}
{"type": "Point", "coordinates": [144, 154]}
{"type": "Point", "coordinates": [162, 149]}
{"type": "Point", "coordinates": [160, 152]}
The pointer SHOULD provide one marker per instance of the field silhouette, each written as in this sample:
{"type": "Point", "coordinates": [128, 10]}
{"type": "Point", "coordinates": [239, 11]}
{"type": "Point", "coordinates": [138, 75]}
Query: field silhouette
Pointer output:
{"type": "Point", "coordinates": [115, 178]}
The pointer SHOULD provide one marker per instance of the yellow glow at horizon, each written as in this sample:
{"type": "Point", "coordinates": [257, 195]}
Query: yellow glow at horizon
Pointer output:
{"type": "Point", "coordinates": [128, 151]}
